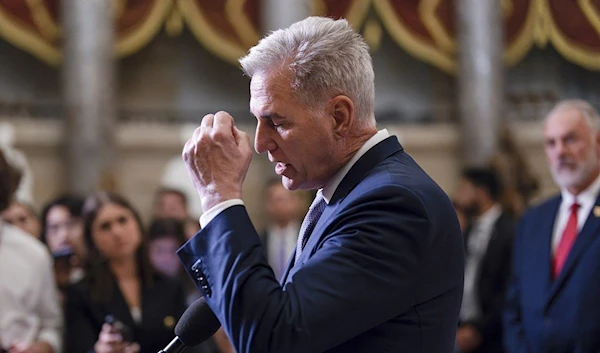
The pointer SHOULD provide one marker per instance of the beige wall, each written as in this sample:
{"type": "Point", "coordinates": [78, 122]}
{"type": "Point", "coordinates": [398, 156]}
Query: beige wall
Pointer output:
{"type": "Point", "coordinates": [146, 149]}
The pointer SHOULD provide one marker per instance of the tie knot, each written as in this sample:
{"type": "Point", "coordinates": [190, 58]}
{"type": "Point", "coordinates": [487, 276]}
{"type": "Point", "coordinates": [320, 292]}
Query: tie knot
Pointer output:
{"type": "Point", "coordinates": [575, 207]}
{"type": "Point", "coordinates": [318, 203]}
{"type": "Point", "coordinates": [310, 220]}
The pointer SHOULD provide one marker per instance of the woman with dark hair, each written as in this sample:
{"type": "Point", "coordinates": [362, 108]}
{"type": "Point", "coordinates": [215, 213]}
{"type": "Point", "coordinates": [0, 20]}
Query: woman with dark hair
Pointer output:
{"type": "Point", "coordinates": [122, 304]}
{"type": "Point", "coordinates": [62, 232]}
{"type": "Point", "coordinates": [165, 236]}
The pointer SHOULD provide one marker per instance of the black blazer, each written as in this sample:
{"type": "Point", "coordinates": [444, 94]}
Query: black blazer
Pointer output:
{"type": "Point", "coordinates": [264, 238]}
{"type": "Point", "coordinates": [162, 305]}
{"type": "Point", "coordinates": [492, 281]}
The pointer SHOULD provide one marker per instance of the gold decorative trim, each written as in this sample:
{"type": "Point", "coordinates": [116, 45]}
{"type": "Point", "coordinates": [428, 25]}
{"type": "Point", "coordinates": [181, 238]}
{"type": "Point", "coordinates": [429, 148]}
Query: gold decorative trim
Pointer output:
{"type": "Point", "coordinates": [591, 13]}
{"type": "Point", "coordinates": [119, 7]}
{"type": "Point", "coordinates": [357, 12]}
{"type": "Point", "coordinates": [373, 34]}
{"type": "Point", "coordinates": [541, 29]}
{"type": "Point", "coordinates": [234, 10]}
{"type": "Point", "coordinates": [427, 13]}
{"type": "Point", "coordinates": [174, 23]}
{"type": "Point", "coordinates": [212, 41]}
{"type": "Point", "coordinates": [508, 7]}
{"type": "Point", "coordinates": [42, 19]}
{"type": "Point", "coordinates": [24, 39]}
{"type": "Point", "coordinates": [572, 52]}
{"type": "Point", "coordinates": [319, 8]}
{"type": "Point", "coordinates": [515, 52]}
{"type": "Point", "coordinates": [408, 41]}
{"type": "Point", "coordinates": [134, 41]}
{"type": "Point", "coordinates": [355, 15]}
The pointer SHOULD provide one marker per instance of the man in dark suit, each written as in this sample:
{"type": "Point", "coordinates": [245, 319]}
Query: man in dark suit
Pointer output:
{"type": "Point", "coordinates": [488, 247]}
{"type": "Point", "coordinates": [279, 239]}
{"type": "Point", "coordinates": [552, 301]}
{"type": "Point", "coordinates": [379, 261]}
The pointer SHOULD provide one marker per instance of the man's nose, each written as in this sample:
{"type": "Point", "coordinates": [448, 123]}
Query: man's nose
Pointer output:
{"type": "Point", "coordinates": [560, 149]}
{"type": "Point", "coordinates": [263, 142]}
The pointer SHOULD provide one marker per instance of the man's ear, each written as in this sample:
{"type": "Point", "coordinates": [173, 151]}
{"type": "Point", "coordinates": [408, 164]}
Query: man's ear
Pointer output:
{"type": "Point", "coordinates": [341, 111]}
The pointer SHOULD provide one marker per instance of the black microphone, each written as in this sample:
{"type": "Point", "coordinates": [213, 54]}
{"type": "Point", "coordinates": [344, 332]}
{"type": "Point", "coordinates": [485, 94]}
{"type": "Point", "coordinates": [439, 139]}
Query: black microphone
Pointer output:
{"type": "Point", "coordinates": [197, 324]}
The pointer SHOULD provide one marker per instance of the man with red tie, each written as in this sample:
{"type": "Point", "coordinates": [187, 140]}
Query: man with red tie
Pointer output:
{"type": "Point", "coordinates": [552, 301]}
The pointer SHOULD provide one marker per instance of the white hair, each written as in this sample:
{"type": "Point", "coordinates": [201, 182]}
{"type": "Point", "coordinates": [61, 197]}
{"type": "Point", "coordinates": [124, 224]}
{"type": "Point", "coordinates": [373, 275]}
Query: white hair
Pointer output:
{"type": "Point", "coordinates": [326, 58]}
{"type": "Point", "coordinates": [583, 107]}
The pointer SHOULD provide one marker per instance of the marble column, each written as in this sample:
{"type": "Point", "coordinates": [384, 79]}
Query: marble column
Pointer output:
{"type": "Point", "coordinates": [277, 14]}
{"type": "Point", "coordinates": [89, 94]}
{"type": "Point", "coordinates": [480, 78]}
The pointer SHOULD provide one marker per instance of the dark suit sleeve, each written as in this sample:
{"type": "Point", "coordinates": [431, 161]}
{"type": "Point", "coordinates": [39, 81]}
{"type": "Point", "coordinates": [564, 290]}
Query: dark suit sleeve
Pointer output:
{"type": "Point", "coordinates": [363, 274]}
{"type": "Point", "coordinates": [81, 332]}
{"type": "Point", "coordinates": [514, 333]}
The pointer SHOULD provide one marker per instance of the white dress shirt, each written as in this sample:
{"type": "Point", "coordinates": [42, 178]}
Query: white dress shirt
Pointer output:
{"type": "Point", "coordinates": [328, 190]}
{"type": "Point", "coordinates": [29, 305]}
{"type": "Point", "coordinates": [477, 244]}
{"type": "Point", "coordinates": [282, 242]}
{"type": "Point", "coordinates": [331, 186]}
{"type": "Point", "coordinates": [586, 200]}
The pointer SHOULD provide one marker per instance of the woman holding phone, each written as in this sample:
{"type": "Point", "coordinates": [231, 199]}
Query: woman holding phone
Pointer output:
{"type": "Point", "coordinates": [122, 304]}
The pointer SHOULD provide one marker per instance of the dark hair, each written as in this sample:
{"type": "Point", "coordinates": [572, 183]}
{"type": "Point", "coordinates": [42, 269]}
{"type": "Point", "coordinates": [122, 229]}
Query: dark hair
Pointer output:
{"type": "Point", "coordinates": [165, 190]}
{"type": "Point", "coordinates": [172, 228]}
{"type": "Point", "coordinates": [98, 271]}
{"type": "Point", "coordinates": [486, 179]}
{"type": "Point", "coordinates": [166, 228]}
{"type": "Point", "coordinates": [10, 177]}
{"type": "Point", "coordinates": [73, 204]}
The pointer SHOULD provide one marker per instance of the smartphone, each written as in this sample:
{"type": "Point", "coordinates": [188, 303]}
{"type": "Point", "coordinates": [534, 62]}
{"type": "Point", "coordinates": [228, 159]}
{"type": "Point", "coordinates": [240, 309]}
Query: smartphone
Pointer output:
{"type": "Point", "coordinates": [125, 330]}
{"type": "Point", "coordinates": [64, 253]}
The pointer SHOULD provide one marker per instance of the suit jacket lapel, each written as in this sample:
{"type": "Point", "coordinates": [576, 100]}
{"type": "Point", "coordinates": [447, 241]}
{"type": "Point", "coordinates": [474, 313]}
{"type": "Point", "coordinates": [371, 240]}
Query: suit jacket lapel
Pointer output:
{"type": "Point", "coordinates": [289, 266]}
{"type": "Point", "coordinates": [118, 307]}
{"type": "Point", "coordinates": [586, 235]}
{"type": "Point", "coordinates": [368, 161]}
{"type": "Point", "coordinates": [492, 246]}
{"type": "Point", "coordinates": [542, 240]}
{"type": "Point", "coordinates": [467, 236]}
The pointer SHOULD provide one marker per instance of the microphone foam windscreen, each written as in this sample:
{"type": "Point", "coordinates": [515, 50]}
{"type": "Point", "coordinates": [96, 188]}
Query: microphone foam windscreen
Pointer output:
{"type": "Point", "coordinates": [197, 324]}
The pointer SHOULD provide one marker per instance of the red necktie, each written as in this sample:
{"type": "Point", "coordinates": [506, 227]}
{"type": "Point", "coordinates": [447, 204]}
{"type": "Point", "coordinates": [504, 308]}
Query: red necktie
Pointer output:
{"type": "Point", "coordinates": [566, 242]}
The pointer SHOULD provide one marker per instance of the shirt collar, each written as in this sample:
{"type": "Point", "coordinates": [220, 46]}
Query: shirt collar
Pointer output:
{"type": "Point", "coordinates": [490, 216]}
{"type": "Point", "coordinates": [586, 197]}
{"type": "Point", "coordinates": [291, 227]}
{"type": "Point", "coordinates": [333, 183]}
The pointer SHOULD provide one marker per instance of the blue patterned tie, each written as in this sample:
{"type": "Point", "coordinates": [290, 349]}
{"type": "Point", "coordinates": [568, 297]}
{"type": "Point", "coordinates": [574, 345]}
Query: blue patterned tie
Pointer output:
{"type": "Point", "coordinates": [308, 224]}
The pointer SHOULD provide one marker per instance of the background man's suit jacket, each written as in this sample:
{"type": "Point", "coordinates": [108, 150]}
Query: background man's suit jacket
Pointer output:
{"type": "Point", "coordinates": [561, 315]}
{"type": "Point", "coordinates": [491, 283]}
{"type": "Point", "coordinates": [381, 272]}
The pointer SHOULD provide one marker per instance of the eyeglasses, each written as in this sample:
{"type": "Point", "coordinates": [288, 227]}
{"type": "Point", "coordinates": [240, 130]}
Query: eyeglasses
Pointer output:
{"type": "Point", "coordinates": [67, 225]}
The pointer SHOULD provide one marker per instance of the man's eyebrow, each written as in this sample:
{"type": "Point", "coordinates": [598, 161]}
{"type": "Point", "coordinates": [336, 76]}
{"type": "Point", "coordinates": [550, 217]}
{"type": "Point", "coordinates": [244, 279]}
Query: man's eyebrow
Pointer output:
{"type": "Point", "coordinates": [272, 116]}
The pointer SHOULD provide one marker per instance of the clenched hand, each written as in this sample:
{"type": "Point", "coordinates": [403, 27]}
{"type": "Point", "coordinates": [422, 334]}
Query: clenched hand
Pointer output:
{"type": "Point", "coordinates": [217, 158]}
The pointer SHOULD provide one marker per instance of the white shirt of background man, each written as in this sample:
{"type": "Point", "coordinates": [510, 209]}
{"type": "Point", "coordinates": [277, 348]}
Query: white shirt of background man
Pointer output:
{"type": "Point", "coordinates": [29, 306]}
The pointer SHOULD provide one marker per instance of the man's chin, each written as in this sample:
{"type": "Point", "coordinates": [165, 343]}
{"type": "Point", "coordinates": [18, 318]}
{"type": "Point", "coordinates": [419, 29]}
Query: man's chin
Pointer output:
{"type": "Point", "coordinates": [288, 183]}
{"type": "Point", "coordinates": [567, 181]}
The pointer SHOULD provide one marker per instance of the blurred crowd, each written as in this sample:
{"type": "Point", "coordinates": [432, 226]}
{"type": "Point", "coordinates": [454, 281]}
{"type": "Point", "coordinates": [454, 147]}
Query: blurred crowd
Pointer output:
{"type": "Point", "coordinates": [87, 275]}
